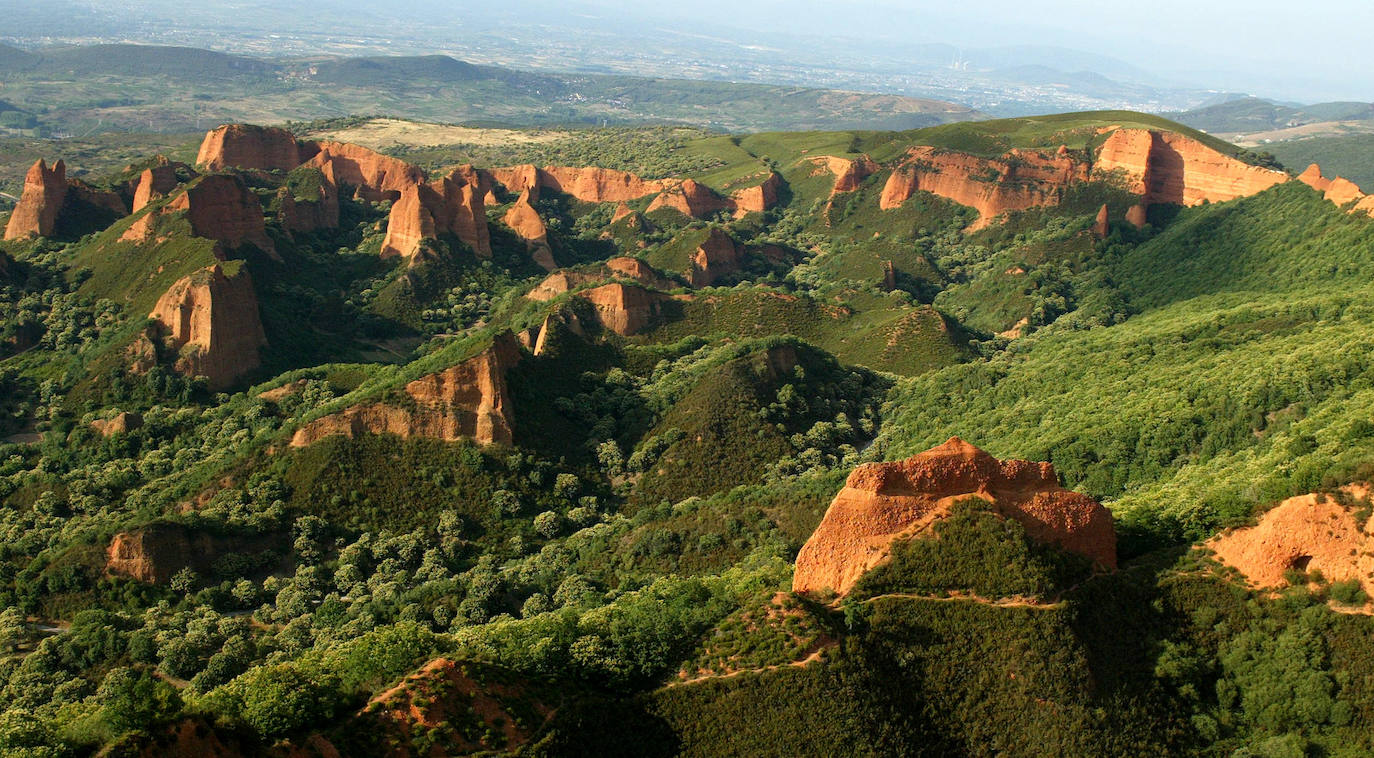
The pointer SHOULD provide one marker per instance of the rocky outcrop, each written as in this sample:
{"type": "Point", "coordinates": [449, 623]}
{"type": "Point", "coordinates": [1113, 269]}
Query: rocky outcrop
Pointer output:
{"type": "Point", "coordinates": [317, 207]}
{"type": "Point", "coordinates": [524, 220]}
{"type": "Point", "coordinates": [466, 401]}
{"type": "Point", "coordinates": [1102, 224]}
{"type": "Point", "coordinates": [121, 423]}
{"type": "Point", "coordinates": [883, 502]}
{"type": "Point", "coordinates": [156, 553]}
{"type": "Point", "coordinates": [849, 172]}
{"type": "Point", "coordinates": [1019, 180]}
{"type": "Point", "coordinates": [1307, 533]}
{"type": "Point", "coordinates": [221, 207]}
{"type": "Point", "coordinates": [718, 255]}
{"type": "Point", "coordinates": [624, 308]}
{"type": "Point", "coordinates": [373, 176]}
{"type": "Point", "coordinates": [691, 199]}
{"type": "Point", "coordinates": [597, 185]}
{"type": "Point", "coordinates": [623, 267]}
{"type": "Point", "coordinates": [1365, 206]}
{"type": "Point", "coordinates": [45, 190]}
{"type": "Point", "coordinates": [759, 198]}
{"type": "Point", "coordinates": [449, 205]}
{"type": "Point", "coordinates": [1166, 167]}
{"type": "Point", "coordinates": [1339, 191]}
{"type": "Point", "coordinates": [210, 321]}
{"type": "Point", "coordinates": [1312, 177]}
{"type": "Point", "coordinates": [155, 182]}
{"type": "Point", "coordinates": [246, 146]}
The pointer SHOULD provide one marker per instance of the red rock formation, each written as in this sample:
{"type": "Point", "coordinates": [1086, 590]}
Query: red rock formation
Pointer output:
{"type": "Point", "coordinates": [373, 176]}
{"type": "Point", "coordinates": [624, 308]}
{"type": "Point", "coordinates": [1019, 180]}
{"type": "Point", "coordinates": [466, 401]}
{"type": "Point", "coordinates": [446, 206]}
{"type": "Point", "coordinates": [622, 267]}
{"type": "Point", "coordinates": [1365, 206]}
{"type": "Point", "coordinates": [1102, 224]}
{"type": "Point", "coordinates": [1308, 532]}
{"type": "Point", "coordinates": [883, 502]}
{"type": "Point", "coordinates": [849, 172]}
{"type": "Point", "coordinates": [155, 181]}
{"type": "Point", "coordinates": [598, 185]}
{"type": "Point", "coordinates": [251, 147]}
{"type": "Point", "coordinates": [524, 220]}
{"type": "Point", "coordinates": [156, 553]}
{"type": "Point", "coordinates": [1165, 167]}
{"type": "Point", "coordinates": [1313, 178]}
{"type": "Point", "coordinates": [121, 423]}
{"type": "Point", "coordinates": [621, 211]}
{"type": "Point", "coordinates": [307, 215]}
{"type": "Point", "coordinates": [691, 199]}
{"type": "Point", "coordinates": [1343, 191]}
{"type": "Point", "coordinates": [221, 207]}
{"type": "Point", "coordinates": [1138, 215]}
{"type": "Point", "coordinates": [759, 198]}
{"type": "Point", "coordinates": [717, 256]}
{"type": "Point", "coordinates": [519, 179]}
{"type": "Point", "coordinates": [41, 202]}
{"type": "Point", "coordinates": [211, 321]}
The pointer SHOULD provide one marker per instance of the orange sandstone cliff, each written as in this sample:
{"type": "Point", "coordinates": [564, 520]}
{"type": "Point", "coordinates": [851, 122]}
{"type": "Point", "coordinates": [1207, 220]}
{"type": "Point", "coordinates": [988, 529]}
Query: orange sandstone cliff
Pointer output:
{"type": "Point", "coordinates": [449, 205]}
{"type": "Point", "coordinates": [1164, 167]}
{"type": "Point", "coordinates": [373, 176]}
{"type": "Point", "coordinates": [251, 147]}
{"type": "Point", "coordinates": [45, 190]}
{"type": "Point", "coordinates": [319, 212]}
{"type": "Point", "coordinates": [717, 256]}
{"type": "Point", "coordinates": [622, 267]}
{"type": "Point", "coordinates": [882, 502]}
{"type": "Point", "coordinates": [524, 220]}
{"type": "Point", "coordinates": [211, 321]}
{"type": "Point", "coordinates": [221, 207]}
{"type": "Point", "coordinates": [466, 401]}
{"type": "Point", "coordinates": [624, 308]}
{"type": "Point", "coordinates": [155, 181]}
{"type": "Point", "coordinates": [1019, 180]}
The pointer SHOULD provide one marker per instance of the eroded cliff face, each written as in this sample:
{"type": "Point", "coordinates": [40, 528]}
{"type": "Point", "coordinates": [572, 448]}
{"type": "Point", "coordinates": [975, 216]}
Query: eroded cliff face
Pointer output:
{"type": "Point", "coordinates": [218, 207]}
{"type": "Point", "coordinates": [759, 198]}
{"type": "Point", "coordinates": [717, 256]}
{"type": "Point", "coordinates": [319, 212]}
{"type": "Point", "coordinates": [1308, 533]}
{"type": "Point", "coordinates": [373, 176]}
{"type": "Point", "coordinates": [45, 190]}
{"type": "Point", "coordinates": [691, 199]}
{"type": "Point", "coordinates": [155, 554]}
{"type": "Point", "coordinates": [155, 182]}
{"type": "Point", "coordinates": [1164, 167]}
{"type": "Point", "coordinates": [849, 172]}
{"type": "Point", "coordinates": [1339, 191]}
{"type": "Point", "coordinates": [883, 502]}
{"type": "Point", "coordinates": [211, 321]}
{"type": "Point", "coordinates": [598, 185]}
{"type": "Point", "coordinates": [447, 206]}
{"type": "Point", "coordinates": [246, 146]}
{"type": "Point", "coordinates": [524, 220]}
{"type": "Point", "coordinates": [624, 308]}
{"type": "Point", "coordinates": [1019, 180]}
{"type": "Point", "coordinates": [466, 401]}
{"type": "Point", "coordinates": [621, 267]}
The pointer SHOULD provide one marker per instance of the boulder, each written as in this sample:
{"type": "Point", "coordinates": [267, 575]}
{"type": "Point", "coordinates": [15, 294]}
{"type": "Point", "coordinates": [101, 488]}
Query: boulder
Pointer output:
{"type": "Point", "coordinates": [466, 401]}
{"type": "Point", "coordinates": [884, 502]}
{"type": "Point", "coordinates": [211, 321]}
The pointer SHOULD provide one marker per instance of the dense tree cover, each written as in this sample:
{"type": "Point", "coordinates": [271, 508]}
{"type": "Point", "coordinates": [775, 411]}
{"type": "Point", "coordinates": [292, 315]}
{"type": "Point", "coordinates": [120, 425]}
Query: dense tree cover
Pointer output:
{"type": "Point", "coordinates": [640, 530]}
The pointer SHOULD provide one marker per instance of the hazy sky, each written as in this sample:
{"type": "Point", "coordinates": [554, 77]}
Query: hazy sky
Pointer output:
{"type": "Point", "coordinates": [1310, 50]}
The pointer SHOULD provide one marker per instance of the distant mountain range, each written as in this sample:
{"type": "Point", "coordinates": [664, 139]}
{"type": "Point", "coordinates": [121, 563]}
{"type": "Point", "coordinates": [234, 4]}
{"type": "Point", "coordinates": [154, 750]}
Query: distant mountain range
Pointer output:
{"type": "Point", "coordinates": [167, 88]}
